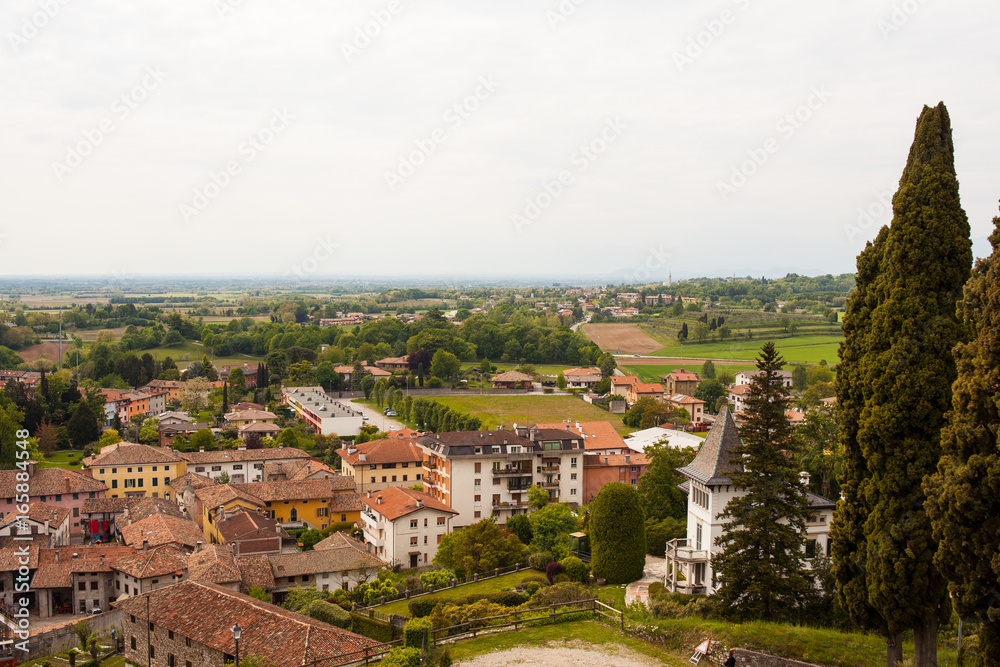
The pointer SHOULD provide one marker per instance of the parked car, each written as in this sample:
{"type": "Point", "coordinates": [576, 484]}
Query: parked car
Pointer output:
{"type": "Point", "coordinates": [392, 413]}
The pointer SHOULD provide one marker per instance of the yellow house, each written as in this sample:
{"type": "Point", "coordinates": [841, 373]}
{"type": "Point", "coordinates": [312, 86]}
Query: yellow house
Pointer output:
{"type": "Point", "coordinates": [217, 503]}
{"type": "Point", "coordinates": [133, 470]}
{"type": "Point", "coordinates": [311, 503]}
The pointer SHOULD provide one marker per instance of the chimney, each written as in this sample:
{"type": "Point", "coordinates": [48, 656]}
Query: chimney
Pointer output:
{"type": "Point", "coordinates": [197, 547]}
{"type": "Point", "coordinates": [31, 468]}
{"type": "Point", "coordinates": [201, 449]}
{"type": "Point", "coordinates": [242, 445]}
{"type": "Point", "coordinates": [369, 493]}
{"type": "Point", "coordinates": [57, 556]}
{"type": "Point", "coordinates": [145, 545]}
{"type": "Point", "coordinates": [804, 478]}
{"type": "Point", "coordinates": [420, 502]}
{"type": "Point", "coordinates": [379, 500]}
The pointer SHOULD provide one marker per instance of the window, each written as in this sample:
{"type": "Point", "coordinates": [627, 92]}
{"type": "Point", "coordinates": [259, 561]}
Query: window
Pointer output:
{"type": "Point", "coordinates": [91, 495]}
{"type": "Point", "coordinates": [114, 471]}
{"type": "Point", "coordinates": [166, 468]}
{"type": "Point", "coordinates": [572, 462]}
{"type": "Point", "coordinates": [131, 619]}
{"type": "Point", "coordinates": [128, 470]}
{"type": "Point", "coordinates": [140, 468]}
{"type": "Point", "coordinates": [383, 479]}
{"type": "Point", "coordinates": [258, 466]}
{"type": "Point", "coordinates": [810, 549]}
{"type": "Point", "coordinates": [59, 497]}
{"type": "Point", "coordinates": [572, 492]}
{"type": "Point", "coordinates": [82, 586]}
{"type": "Point", "coordinates": [152, 651]}
{"type": "Point", "coordinates": [154, 468]}
{"type": "Point", "coordinates": [237, 466]}
{"type": "Point", "coordinates": [406, 464]}
{"type": "Point", "coordinates": [404, 478]}
{"type": "Point", "coordinates": [394, 478]}
{"type": "Point", "coordinates": [343, 518]}
{"type": "Point", "coordinates": [413, 541]}
{"type": "Point", "coordinates": [440, 520]}
{"type": "Point", "coordinates": [216, 468]}
{"type": "Point", "coordinates": [93, 585]}
{"type": "Point", "coordinates": [132, 643]}
{"type": "Point", "coordinates": [477, 498]}
{"type": "Point", "coordinates": [187, 642]}
{"type": "Point", "coordinates": [496, 481]}
{"type": "Point", "coordinates": [697, 536]}
{"type": "Point", "coordinates": [413, 523]}
{"type": "Point", "coordinates": [114, 484]}
{"type": "Point", "coordinates": [170, 660]}
{"type": "Point", "coordinates": [166, 481]}
{"type": "Point", "coordinates": [477, 515]}
{"type": "Point", "coordinates": [373, 480]}
{"type": "Point", "coordinates": [170, 633]}
{"type": "Point", "coordinates": [439, 538]}
{"type": "Point", "coordinates": [425, 522]}
{"type": "Point", "coordinates": [572, 475]}
{"type": "Point", "coordinates": [478, 483]}
{"type": "Point", "coordinates": [156, 481]}
{"type": "Point", "coordinates": [479, 466]}
{"type": "Point", "coordinates": [199, 469]}
{"type": "Point", "coordinates": [322, 511]}
{"type": "Point", "coordinates": [76, 496]}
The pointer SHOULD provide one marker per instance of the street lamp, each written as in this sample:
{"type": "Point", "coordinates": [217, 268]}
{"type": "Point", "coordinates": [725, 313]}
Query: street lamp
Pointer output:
{"type": "Point", "coordinates": [237, 631]}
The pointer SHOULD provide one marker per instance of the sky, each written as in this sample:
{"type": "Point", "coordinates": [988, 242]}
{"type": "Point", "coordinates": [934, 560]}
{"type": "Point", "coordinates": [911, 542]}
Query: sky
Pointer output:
{"type": "Point", "coordinates": [577, 138]}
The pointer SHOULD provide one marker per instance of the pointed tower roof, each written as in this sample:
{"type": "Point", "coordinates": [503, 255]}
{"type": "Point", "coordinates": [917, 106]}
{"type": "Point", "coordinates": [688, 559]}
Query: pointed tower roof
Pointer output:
{"type": "Point", "coordinates": [716, 458]}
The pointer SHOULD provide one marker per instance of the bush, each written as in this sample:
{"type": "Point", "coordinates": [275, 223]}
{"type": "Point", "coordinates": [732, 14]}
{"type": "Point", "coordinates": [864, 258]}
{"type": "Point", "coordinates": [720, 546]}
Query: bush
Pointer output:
{"type": "Point", "coordinates": [434, 383]}
{"type": "Point", "coordinates": [445, 659]}
{"type": "Point", "coordinates": [413, 632]}
{"type": "Point", "coordinates": [327, 612]}
{"type": "Point", "coordinates": [371, 628]}
{"type": "Point", "coordinates": [552, 570]}
{"type": "Point", "coordinates": [535, 578]}
{"type": "Point", "coordinates": [618, 534]}
{"type": "Point", "coordinates": [560, 594]}
{"type": "Point", "coordinates": [540, 560]}
{"type": "Point", "coordinates": [576, 569]}
{"type": "Point", "coordinates": [402, 657]}
{"type": "Point", "coordinates": [532, 587]}
{"type": "Point", "coordinates": [508, 598]}
{"type": "Point", "coordinates": [421, 607]}
{"type": "Point", "coordinates": [439, 578]}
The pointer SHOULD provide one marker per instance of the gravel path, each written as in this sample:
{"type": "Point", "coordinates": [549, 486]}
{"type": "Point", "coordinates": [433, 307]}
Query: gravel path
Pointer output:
{"type": "Point", "coordinates": [638, 591]}
{"type": "Point", "coordinates": [575, 653]}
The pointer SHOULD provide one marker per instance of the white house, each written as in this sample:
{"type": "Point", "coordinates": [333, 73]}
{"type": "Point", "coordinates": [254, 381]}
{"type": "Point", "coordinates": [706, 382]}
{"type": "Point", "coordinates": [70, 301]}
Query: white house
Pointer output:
{"type": "Point", "coordinates": [709, 490]}
{"type": "Point", "coordinates": [325, 415]}
{"type": "Point", "coordinates": [746, 377]}
{"type": "Point", "coordinates": [737, 395]}
{"type": "Point", "coordinates": [405, 526]}
{"type": "Point", "coordinates": [41, 519]}
{"type": "Point", "coordinates": [242, 465]}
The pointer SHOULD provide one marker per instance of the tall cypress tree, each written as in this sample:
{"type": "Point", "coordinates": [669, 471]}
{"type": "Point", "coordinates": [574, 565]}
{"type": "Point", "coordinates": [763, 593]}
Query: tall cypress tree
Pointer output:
{"type": "Point", "coordinates": [848, 544]}
{"type": "Point", "coordinates": [760, 567]}
{"type": "Point", "coordinates": [964, 495]}
{"type": "Point", "coordinates": [906, 365]}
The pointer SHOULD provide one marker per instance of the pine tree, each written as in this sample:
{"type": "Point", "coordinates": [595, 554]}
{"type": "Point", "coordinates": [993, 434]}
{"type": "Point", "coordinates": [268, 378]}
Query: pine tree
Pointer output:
{"type": "Point", "coordinates": [82, 427]}
{"type": "Point", "coordinates": [964, 495]}
{"type": "Point", "coordinates": [904, 362]}
{"type": "Point", "coordinates": [760, 568]}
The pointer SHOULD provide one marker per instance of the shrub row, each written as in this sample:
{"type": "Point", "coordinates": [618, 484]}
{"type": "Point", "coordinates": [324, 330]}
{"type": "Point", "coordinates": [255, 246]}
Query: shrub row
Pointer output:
{"type": "Point", "coordinates": [422, 607]}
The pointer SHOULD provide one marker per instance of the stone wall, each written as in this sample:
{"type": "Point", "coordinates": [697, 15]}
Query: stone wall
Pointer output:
{"type": "Point", "coordinates": [186, 653]}
{"type": "Point", "coordinates": [746, 658]}
{"type": "Point", "coordinates": [56, 638]}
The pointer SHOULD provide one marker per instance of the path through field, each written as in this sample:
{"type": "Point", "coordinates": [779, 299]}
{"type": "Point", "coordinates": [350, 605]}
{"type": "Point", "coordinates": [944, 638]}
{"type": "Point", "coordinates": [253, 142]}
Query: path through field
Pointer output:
{"type": "Point", "coordinates": [575, 653]}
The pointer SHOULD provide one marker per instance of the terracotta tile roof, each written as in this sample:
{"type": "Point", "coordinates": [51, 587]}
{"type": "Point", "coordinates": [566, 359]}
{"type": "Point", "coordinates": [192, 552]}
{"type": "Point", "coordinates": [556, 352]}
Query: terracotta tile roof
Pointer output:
{"type": "Point", "coordinates": [162, 529]}
{"type": "Point", "coordinates": [385, 450]}
{"type": "Point", "coordinates": [56, 566]}
{"type": "Point", "coordinates": [596, 434]}
{"type": "Point", "coordinates": [40, 512]}
{"type": "Point", "coordinates": [644, 388]}
{"type": "Point", "coordinates": [247, 523]}
{"type": "Point", "coordinates": [739, 389]}
{"type": "Point", "coordinates": [260, 427]}
{"type": "Point", "coordinates": [295, 470]}
{"type": "Point", "coordinates": [249, 415]}
{"type": "Point", "coordinates": [197, 481]}
{"type": "Point", "coordinates": [238, 455]}
{"type": "Point", "coordinates": [582, 371]}
{"type": "Point", "coordinates": [130, 453]}
{"type": "Point", "coordinates": [50, 482]}
{"type": "Point", "coordinates": [146, 507]}
{"type": "Point", "coordinates": [307, 489]}
{"type": "Point", "coordinates": [246, 405]}
{"type": "Point", "coordinates": [106, 505]}
{"type": "Point", "coordinates": [512, 376]}
{"type": "Point", "coordinates": [340, 559]}
{"type": "Point", "coordinates": [205, 613]}
{"type": "Point", "coordinates": [10, 549]}
{"type": "Point", "coordinates": [337, 540]}
{"type": "Point", "coordinates": [405, 433]}
{"type": "Point", "coordinates": [255, 570]}
{"type": "Point", "coordinates": [220, 494]}
{"type": "Point", "coordinates": [681, 375]}
{"type": "Point", "coordinates": [683, 399]}
{"type": "Point", "coordinates": [346, 502]}
{"type": "Point", "coordinates": [156, 562]}
{"type": "Point", "coordinates": [624, 381]}
{"type": "Point", "coordinates": [398, 501]}
{"type": "Point", "coordinates": [215, 564]}
{"type": "Point", "coordinates": [614, 460]}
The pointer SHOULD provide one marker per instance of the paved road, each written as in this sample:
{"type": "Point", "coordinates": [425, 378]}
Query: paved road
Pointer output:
{"type": "Point", "coordinates": [375, 417]}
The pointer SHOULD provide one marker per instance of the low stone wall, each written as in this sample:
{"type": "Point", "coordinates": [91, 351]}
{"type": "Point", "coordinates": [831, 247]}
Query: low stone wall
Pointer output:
{"type": "Point", "coordinates": [746, 658]}
{"type": "Point", "coordinates": [717, 652]}
{"type": "Point", "coordinates": [55, 638]}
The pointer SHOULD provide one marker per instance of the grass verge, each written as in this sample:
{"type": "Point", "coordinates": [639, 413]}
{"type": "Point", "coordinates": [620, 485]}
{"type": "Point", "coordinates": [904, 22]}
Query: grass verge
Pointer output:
{"type": "Point", "coordinates": [504, 582]}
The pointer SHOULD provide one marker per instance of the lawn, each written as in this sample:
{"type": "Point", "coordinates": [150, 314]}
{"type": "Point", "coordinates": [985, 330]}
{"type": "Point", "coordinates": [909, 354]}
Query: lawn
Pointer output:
{"type": "Point", "coordinates": [60, 459]}
{"type": "Point", "coordinates": [591, 635]}
{"type": "Point", "coordinates": [504, 410]}
{"type": "Point", "coordinates": [801, 348]}
{"type": "Point", "coordinates": [189, 351]}
{"type": "Point", "coordinates": [504, 582]}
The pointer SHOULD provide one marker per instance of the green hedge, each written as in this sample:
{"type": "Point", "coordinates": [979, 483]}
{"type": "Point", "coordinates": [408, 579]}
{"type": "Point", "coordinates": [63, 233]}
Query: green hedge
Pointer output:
{"type": "Point", "coordinates": [618, 534]}
{"type": "Point", "coordinates": [402, 657]}
{"type": "Point", "coordinates": [324, 611]}
{"type": "Point", "coordinates": [413, 633]}
{"type": "Point", "coordinates": [371, 628]}
{"type": "Point", "coordinates": [421, 607]}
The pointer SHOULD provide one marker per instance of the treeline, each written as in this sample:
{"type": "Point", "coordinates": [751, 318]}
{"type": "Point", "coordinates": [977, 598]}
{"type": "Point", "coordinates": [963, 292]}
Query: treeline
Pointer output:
{"type": "Point", "coordinates": [430, 415]}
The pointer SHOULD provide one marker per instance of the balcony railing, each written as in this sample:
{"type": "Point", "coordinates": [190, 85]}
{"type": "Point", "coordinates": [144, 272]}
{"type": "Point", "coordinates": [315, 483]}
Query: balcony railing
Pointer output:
{"type": "Point", "coordinates": [553, 484]}
{"type": "Point", "coordinates": [679, 550]}
{"type": "Point", "coordinates": [511, 472]}
{"type": "Point", "coordinates": [430, 465]}
{"type": "Point", "coordinates": [549, 468]}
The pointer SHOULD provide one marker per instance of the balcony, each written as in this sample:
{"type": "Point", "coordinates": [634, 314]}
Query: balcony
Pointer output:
{"type": "Point", "coordinates": [678, 550]}
{"type": "Point", "coordinates": [520, 456]}
{"type": "Point", "coordinates": [551, 484]}
{"type": "Point", "coordinates": [370, 520]}
{"type": "Point", "coordinates": [549, 467]}
{"type": "Point", "coordinates": [510, 505]}
{"type": "Point", "coordinates": [511, 472]}
{"type": "Point", "coordinates": [430, 465]}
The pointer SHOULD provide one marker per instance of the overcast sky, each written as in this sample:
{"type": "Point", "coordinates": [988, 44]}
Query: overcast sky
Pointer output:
{"type": "Point", "coordinates": [405, 137]}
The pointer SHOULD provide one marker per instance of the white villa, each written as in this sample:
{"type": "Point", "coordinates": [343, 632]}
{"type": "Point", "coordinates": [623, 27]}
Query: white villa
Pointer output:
{"type": "Point", "coordinates": [709, 490]}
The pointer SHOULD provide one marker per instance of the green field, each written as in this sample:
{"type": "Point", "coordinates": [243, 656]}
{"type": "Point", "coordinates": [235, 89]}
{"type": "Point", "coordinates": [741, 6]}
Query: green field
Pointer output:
{"type": "Point", "coordinates": [189, 351]}
{"type": "Point", "coordinates": [802, 348]}
{"type": "Point", "coordinates": [653, 373]}
{"type": "Point", "coordinates": [60, 459]}
{"type": "Point", "coordinates": [506, 409]}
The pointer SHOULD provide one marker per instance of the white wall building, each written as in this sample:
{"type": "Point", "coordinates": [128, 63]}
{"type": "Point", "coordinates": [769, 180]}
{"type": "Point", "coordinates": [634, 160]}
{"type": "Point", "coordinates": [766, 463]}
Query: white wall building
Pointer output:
{"type": "Point", "coordinates": [405, 526]}
{"type": "Point", "coordinates": [746, 377]}
{"type": "Point", "coordinates": [324, 414]}
{"type": "Point", "coordinates": [242, 465]}
{"type": "Point", "coordinates": [709, 490]}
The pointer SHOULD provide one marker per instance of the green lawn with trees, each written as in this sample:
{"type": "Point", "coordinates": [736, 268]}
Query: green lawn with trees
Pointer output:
{"type": "Point", "coordinates": [495, 410]}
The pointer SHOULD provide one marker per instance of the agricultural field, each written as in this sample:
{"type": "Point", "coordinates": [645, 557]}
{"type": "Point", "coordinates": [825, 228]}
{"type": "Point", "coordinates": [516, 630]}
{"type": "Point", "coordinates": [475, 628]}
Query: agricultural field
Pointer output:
{"type": "Point", "coordinates": [190, 351]}
{"type": "Point", "coordinates": [652, 372]}
{"type": "Point", "coordinates": [506, 409]}
{"type": "Point", "coordinates": [622, 338]}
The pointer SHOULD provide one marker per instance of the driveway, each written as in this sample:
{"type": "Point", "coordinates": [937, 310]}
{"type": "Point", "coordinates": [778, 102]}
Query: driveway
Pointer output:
{"type": "Point", "coordinates": [375, 416]}
{"type": "Point", "coordinates": [655, 570]}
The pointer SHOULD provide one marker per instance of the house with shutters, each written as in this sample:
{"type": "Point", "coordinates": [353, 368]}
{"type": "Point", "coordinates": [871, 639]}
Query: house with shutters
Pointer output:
{"type": "Point", "coordinates": [405, 527]}
{"type": "Point", "coordinates": [136, 470]}
{"type": "Point", "coordinates": [53, 486]}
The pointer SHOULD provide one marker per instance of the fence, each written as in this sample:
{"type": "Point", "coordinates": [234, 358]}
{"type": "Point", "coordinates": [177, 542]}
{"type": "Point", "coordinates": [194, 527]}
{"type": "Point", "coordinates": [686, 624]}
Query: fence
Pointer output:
{"type": "Point", "coordinates": [408, 594]}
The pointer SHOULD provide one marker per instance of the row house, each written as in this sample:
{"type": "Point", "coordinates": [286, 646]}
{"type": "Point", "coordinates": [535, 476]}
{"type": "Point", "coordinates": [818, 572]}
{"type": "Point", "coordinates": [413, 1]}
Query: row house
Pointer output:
{"type": "Point", "coordinates": [241, 465]}
{"type": "Point", "coordinates": [378, 464]}
{"type": "Point", "coordinates": [172, 387]}
{"type": "Point", "coordinates": [488, 473]}
{"type": "Point", "coordinates": [404, 527]}
{"type": "Point", "coordinates": [53, 486]}
{"type": "Point", "coordinates": [323, 569]}
{"type": "Point", "coordinates": [190, 623]}
{"type": "Point", "coordinates": [132, 469]}
{"type": "Point", "coordinates": [315, 503]}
